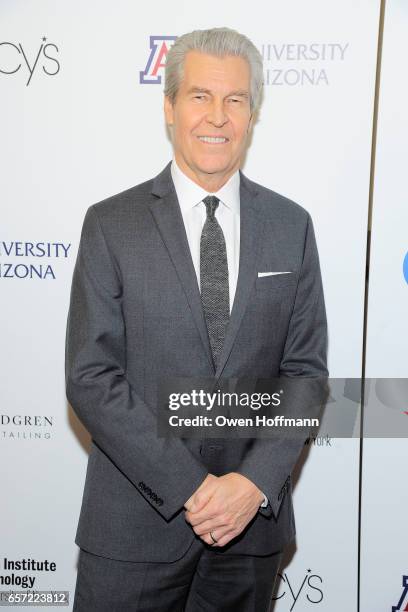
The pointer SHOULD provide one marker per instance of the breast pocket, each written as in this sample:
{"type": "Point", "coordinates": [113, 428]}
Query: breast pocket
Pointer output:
{"type": "Point", "coordinates": [276, 283]}
{"type": "Point", "coordinates": [272, 299]}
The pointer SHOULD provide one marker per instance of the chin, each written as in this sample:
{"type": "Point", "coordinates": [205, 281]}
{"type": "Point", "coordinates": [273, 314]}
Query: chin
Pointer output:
{"type": "Point", "coordinates": [212, 167]}
{"type": "Point", "coordinates": [213, 170]}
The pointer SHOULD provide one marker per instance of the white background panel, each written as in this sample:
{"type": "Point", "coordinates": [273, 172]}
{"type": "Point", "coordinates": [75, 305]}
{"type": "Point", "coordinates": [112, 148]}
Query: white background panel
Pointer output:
{"type": "Point", "coordinates": [92, 130]}
{"type": "Point", "coordinates": [385, 494]}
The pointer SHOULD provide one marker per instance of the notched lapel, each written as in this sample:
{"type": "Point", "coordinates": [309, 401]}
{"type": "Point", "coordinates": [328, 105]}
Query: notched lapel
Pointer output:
{"type": "Point", "coordinates": [251, 239]}
{"type": "Point", "coordinates": [167, 215]}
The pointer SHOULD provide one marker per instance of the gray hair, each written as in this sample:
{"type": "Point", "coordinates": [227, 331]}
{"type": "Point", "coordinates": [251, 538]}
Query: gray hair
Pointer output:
{"type": "Point", "coordinates": [219, 42]}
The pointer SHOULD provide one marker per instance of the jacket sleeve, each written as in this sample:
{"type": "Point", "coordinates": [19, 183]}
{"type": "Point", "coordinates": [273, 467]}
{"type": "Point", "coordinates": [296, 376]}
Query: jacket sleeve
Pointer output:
{"type": "Point", "coordinates": [270, 462]}
{"type": "Point", "coordinates": [124, 427]}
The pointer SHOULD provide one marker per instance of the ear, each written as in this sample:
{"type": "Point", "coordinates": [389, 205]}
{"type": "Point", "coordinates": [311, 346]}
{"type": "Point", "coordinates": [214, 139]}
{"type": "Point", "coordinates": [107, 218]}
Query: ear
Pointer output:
{"type": "Point", "coordinates": [168, 111]}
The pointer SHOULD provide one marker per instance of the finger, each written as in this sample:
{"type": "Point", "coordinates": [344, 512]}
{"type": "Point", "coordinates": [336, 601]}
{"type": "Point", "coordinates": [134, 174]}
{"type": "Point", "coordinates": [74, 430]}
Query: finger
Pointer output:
{"type": "Point", "coordinates": [192, 515]}
{"type": "Point", "coordinates": [208, 526]}
{"type": "Point", "coordinates": [211, 511]}
{"type": "Point", "coordinates": [189, 503]}
{"type": "Point", "coordinates": [204, 493]}
{"type": "Point", "coordinates": [214, 508]}
{"type": "Point", "coordinates": [201, 499]}
{"type": "Point", "coordinates": [208, 539]}
{"type": "Point", "coordinates": [219, 535]}
{"type": "Point", "coordinates": [225, 538]}
{"type": "Point", "coordinates": [195, 518]}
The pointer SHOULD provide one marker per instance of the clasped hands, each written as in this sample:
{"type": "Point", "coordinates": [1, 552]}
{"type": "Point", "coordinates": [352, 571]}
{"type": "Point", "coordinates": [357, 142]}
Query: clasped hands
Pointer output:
{"type": "Point", "coordinates": [224, 506]}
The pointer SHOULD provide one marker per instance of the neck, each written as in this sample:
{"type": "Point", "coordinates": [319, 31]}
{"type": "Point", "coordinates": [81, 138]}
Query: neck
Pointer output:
{"type": "Point", "coordinates": [209, 182]}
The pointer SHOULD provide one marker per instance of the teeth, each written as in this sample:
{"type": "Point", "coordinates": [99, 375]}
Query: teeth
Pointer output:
{"type": "Point", "coordinates": [212, 139]}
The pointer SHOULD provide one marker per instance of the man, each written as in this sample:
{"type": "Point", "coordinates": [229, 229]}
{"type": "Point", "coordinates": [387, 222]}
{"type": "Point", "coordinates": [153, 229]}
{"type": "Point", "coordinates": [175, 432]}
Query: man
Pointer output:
{"type": "Point", "coordinates": [197, 273]}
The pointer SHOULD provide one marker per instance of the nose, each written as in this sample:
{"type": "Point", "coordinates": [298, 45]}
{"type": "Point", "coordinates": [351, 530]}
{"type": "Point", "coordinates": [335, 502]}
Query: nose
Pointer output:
{"type": "Point", "coordinates": [216, 115]}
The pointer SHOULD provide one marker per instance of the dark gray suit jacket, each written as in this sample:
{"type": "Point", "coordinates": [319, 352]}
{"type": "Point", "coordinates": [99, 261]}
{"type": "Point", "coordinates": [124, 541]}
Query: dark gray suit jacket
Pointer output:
{"type": "Point", "coordinates": [135, 316]}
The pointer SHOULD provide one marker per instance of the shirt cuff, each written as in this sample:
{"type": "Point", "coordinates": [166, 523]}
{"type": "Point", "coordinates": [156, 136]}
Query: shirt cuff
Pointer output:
{"type": "Point", "coordinates": [265, 501]}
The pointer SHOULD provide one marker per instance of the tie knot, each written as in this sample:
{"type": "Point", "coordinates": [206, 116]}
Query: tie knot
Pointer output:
{"type": "Point", "coordinates": [211, 203]}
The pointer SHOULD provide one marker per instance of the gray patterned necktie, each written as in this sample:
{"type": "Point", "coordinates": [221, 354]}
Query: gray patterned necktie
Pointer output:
{"type": "Point", "coordinates": [214, 278]}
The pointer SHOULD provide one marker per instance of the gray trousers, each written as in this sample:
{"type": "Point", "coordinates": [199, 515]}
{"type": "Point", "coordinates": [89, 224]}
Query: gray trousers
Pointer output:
{"type": "Point", "coordinates": [202, 580]}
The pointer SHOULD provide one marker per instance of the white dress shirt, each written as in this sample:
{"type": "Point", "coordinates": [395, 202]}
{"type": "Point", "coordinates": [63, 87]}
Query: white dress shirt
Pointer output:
{"type": "Point", "coordinates": [190, 197]}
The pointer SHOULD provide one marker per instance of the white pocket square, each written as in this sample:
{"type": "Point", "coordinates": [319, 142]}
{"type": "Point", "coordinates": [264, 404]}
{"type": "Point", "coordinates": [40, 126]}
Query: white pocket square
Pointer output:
{"type": "Point", "coordinates": [260, 274]}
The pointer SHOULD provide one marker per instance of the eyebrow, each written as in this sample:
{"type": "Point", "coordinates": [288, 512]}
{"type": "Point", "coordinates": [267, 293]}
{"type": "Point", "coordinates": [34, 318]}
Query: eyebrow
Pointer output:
{"type": "Point", "coordinates": [239, 92]}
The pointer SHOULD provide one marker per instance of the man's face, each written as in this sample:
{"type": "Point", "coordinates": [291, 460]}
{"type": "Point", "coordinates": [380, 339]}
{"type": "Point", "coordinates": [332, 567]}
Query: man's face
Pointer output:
{"type": "Point", "coordinates": [210, 117]}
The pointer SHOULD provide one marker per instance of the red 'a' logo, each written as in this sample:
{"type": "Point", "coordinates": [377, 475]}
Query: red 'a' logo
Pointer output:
{"type": "Point", "coordinates": [159, 47]}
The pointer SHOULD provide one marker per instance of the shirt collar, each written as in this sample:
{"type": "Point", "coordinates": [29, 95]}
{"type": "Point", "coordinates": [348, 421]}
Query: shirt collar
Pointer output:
{"type": "Point", "coordinates": [190, 194]}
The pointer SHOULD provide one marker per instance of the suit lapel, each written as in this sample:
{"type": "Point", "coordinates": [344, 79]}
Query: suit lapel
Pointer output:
{"type": "Point", "coordinates": [251, 234]}
{"type": "Point", "coordinates": [167, 215]}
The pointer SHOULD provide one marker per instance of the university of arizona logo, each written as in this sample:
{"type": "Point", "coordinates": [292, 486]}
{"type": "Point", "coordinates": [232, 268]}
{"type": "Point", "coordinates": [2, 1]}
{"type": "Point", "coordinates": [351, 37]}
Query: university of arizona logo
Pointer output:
{"type": "Point", "coordinates": [402, 605]}
{"type": "Point", "coordinates": [159, 47]}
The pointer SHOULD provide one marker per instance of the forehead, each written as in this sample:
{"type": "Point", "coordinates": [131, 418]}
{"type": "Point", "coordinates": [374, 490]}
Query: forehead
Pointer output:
{"type": "Point", "coordinates": [215, 73]}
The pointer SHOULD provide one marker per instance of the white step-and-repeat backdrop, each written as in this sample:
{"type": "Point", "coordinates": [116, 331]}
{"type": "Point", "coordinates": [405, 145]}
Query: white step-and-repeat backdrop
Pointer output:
{"type": "Point", "coordinates": [384, 537]}
{"type": "Point", "coordinates": [81, 107]}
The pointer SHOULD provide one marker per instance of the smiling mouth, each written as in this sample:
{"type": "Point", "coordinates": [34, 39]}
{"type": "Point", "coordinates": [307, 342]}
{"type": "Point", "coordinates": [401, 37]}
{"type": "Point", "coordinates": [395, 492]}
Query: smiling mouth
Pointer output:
{"type": "Point", "coordinates": [213, 139]}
